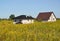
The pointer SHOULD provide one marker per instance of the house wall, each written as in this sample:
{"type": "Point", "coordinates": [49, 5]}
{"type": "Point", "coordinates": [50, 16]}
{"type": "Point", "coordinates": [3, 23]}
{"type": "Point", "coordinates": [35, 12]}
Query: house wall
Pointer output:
{"type": "Point", "coordinates": [44, 20]}
{"type": "Point", "coordinates": [27, 21]}
{"type": "Point", "coordinates": [52, 18]}
{"type": "Point", "coordinates": [16, 21]}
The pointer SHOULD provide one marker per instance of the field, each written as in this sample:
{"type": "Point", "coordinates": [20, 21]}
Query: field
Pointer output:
{"type": "Point", "coordinates": [38, 31]}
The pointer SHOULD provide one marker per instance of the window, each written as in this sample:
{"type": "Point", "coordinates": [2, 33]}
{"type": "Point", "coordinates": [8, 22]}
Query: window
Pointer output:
{"type": "Point", "coordinates": [53, 18]}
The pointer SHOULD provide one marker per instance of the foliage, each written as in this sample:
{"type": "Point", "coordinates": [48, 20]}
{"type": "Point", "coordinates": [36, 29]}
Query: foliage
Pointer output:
{"type": "Point", "coordinates": [11, 16]}
{"type": "Point", "coordinates": [58, 18]}
{"type": "Point", "coordinates": [38, 31]}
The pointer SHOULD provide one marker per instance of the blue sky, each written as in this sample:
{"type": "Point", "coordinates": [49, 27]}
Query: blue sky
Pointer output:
{"type": "Point", "coordinates": [28, 7]}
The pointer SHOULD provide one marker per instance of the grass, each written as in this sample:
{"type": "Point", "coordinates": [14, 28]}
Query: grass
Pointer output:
{"type": "Point", "coordinates": [38, 31]}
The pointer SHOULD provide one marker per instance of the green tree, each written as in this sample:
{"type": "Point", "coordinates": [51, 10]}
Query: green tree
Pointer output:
{"type": "Point", "coordinates": [11, 16]}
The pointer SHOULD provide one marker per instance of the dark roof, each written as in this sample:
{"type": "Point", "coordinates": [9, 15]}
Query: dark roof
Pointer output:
{"type": "Point", "coordinates": [29, 17]}
{"type": "Point", "coordinates": [44, 15]}
{"type": "Point", "coordinates": [20, 17]}
{"type": "Point", "coordinates": [23, 17]}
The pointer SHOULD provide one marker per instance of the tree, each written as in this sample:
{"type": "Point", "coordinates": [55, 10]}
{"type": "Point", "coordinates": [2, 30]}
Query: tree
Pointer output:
{"type": "Point", "coordinates": [11, 16]}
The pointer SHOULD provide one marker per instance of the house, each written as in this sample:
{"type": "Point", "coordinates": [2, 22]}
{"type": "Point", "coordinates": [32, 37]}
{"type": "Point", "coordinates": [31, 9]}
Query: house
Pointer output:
{"type": "Point", "coordinates": [23, 19]}
{"type": "Point", "coordinates": [46, 17]}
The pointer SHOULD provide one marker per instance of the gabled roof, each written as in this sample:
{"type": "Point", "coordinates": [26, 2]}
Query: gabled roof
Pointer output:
{"type": "Point", "coordinates": [29, 17]}
{"type": "Point", "coordinates": [20, 17]}
{"type": "Point", "coordinates": [44, 15]}
{"type": "Point", "coordinates": [23, 17]}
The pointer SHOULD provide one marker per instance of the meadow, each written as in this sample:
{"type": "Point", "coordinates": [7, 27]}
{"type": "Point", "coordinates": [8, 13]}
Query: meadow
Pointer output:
{"type": "Point", "coordinates": [38, 31]}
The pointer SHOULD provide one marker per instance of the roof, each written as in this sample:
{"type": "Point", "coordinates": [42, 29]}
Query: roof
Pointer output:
{"type": "Point", "coordinates": [20, 17]}
{"type": "Point", "coordinates": [44, 15]}
{"type": "Point", "coordinates": [23, 17]}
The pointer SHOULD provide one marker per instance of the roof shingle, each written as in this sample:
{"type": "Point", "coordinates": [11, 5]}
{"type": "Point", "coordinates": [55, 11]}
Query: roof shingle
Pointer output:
{"type": "Point", "coordinates": [44, 15]}
{"type": "Point", "coordinates": [23, 17]}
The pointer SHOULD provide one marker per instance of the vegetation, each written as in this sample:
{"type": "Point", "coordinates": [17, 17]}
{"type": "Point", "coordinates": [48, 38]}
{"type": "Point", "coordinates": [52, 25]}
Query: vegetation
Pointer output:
{"type": "Point", "coordinates": [58, 18]}
{"type": "Point", "coordinates": [38, 31]}
{"type": "Point", "coordinates": [11, 16]}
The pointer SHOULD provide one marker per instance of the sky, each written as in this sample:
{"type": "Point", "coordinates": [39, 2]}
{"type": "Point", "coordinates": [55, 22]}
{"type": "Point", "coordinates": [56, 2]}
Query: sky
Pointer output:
{"type": "Point", "coordinates": [28, 7]}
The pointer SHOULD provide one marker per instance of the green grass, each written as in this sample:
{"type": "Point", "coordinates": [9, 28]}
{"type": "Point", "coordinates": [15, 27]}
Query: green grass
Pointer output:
{"type": "Point", "coordinates": [38, 31]}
